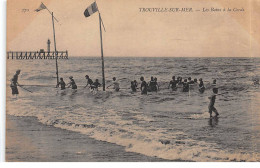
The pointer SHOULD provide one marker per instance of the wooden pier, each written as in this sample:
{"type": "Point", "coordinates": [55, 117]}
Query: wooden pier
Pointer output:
{"type": "Point", "coordinates": [21, 55]}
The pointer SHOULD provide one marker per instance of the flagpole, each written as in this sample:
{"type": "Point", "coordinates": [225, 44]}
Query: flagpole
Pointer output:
{"type": "Point", "coordinates": [102, 57]}
{"type": "Point", "coordinates": [57, 72]}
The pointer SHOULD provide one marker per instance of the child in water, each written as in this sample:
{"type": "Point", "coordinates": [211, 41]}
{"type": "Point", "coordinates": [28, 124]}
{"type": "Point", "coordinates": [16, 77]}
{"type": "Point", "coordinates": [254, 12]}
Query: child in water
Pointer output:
{"type": "Point", "coordinates": [212, 102]}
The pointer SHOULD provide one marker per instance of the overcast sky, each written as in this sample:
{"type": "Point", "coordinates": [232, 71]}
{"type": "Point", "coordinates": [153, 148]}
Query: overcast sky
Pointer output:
{"type": "Point", "coordinates": [130, 32]}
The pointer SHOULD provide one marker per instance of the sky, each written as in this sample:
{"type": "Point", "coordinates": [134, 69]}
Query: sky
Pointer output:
{"type": "Point", "coordinates": [130, 32]}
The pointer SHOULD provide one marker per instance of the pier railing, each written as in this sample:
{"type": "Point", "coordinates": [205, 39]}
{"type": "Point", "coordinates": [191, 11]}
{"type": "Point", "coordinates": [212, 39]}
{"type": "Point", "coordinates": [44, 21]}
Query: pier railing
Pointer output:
{"type": "Point", "coordinates": [37, 55]}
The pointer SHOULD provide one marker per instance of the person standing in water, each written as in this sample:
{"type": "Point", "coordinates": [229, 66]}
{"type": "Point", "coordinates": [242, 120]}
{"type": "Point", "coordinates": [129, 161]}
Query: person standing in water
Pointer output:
{"type": "Point", "coordinates": [173, 84]}
{"type": "Point", "coordinates": [143, 86]}
{"type": "Point", "coordinates": [14, 83]}
{"type": "Point", "coordinates": [89, 81]}
{"type": "Point", "coordinates": [156, 86]}
{"type": "Point", "coordinates": [116, 84]}
{"type": "Point", "coordinates": [61, 84]}
{"type": "Point", "coordinates": [72, 83]}
{"type": "Point", "coordinates": [212, 102]}
{"type": "Point", "coordinates": [201, 86]}
{"type": "Point", "coordinates": [185, 86]}
{"type": "Point", "coordinates": [95, 85]}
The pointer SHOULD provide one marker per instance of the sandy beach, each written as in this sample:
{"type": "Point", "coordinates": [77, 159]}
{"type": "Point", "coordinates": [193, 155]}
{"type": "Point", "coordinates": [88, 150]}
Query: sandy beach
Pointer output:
{"type": "Point", "coordinates": [27, 140]}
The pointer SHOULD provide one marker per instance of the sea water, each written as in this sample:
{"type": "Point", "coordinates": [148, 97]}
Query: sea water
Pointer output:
{"type": "Point", "coordinates": [166, 124]}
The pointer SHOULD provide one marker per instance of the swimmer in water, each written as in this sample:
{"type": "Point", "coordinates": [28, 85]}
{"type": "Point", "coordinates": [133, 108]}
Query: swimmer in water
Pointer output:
{"type": "Point", "coordinates": [95, 85]}
{"type": "Point", "coordinates": [190, 81]}
{"type": "Point", "coordinates": [62, 84]}
{"type": "Point", "coordinates": [212, 102]}
{"type": "Point", "coordinates": [156, 86]}
{"type": "Point", "coordinates": [72, 83]}
{"type": "Point", "coordinates": [201, 86]}
{"type": "Point", "coordinates": [173, 84]}
{"type": "Point", "coordinates": [185, 86]}
{"type": "Point", "coordinates": [89, 81]}
{"type": "Point", "coordinates": [116, 84]}
{"type": "Point", "coordinates": [143, 86]}
{"type": "Point", "coordinates": [133, 86]}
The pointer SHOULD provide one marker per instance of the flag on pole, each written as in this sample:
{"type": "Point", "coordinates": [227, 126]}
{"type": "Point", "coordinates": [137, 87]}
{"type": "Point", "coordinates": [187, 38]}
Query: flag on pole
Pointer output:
{"type": "Point", "coordinates": [91, 9]}
{"type": "Point", "coordinates": [41, 7]}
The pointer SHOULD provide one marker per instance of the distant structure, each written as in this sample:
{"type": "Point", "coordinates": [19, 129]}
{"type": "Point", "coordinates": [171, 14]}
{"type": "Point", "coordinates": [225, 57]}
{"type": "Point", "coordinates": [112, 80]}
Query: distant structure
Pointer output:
{"type": "Point", "coordinates": [48, 45]}
{"type": "Point", "coordinates": [38, 54]}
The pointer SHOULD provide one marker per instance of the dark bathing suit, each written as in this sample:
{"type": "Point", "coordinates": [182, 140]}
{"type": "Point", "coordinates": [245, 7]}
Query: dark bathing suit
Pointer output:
{"type": "Point", "coordinates": [62, 85]}
{"type": "Point", "coordinates": [14, 85]}
{"type": "Point", "coordinates": [144, 87]}
{"type": "Point", "coordinates": [173, 83]}
{"type": "Point", "coordinates": [73, 84]}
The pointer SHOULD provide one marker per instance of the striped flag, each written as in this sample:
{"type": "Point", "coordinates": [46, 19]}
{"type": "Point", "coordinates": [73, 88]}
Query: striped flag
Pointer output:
{"type": "Point", "coordinates": [91, 9]}
{"type": "Point", "coordinates": [42, 6]}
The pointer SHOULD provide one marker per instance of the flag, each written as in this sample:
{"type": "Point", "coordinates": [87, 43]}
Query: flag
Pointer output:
{"type": "Point", "coordinates": [42, 6]}
{"type": "Point", "coordinates": [91, 9]}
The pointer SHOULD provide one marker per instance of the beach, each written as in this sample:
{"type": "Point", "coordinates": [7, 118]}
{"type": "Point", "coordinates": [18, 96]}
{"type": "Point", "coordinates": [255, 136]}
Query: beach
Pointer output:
{"type": "Point", "coordinates": [28, 140]}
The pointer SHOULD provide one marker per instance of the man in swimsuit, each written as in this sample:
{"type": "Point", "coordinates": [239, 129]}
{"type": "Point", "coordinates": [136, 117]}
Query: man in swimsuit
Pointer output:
{"type": "Point", "coordinates": [89, 81]}
{"type": "Point", "coordinates": [14, 83]}
{"type": "Point", "coordinates": [201, 86]}
{"type": "Point", "coordinates": [212, 102]}
{"type": "Point", "coordinates": [61, 84]}
{"type": "Point", "coordinates": [143, 86]}
{"type": "Point", "coordinates": [95, 85]}
{"type": "Point", "coordinates": [72, 83]}
{"type": "Point", "coordinates": [173, 84]}
{"type": "Point", "coordinates": [116, 84]}
{"type": "Point", "coordinates": [185, 86]}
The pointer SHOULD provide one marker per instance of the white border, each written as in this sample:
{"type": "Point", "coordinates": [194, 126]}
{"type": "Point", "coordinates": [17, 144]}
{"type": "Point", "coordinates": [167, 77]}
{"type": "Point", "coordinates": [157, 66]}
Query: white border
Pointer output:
{"type": "Point", "coordinates": [2, 77]}
{"type": "Point", "coordinates": [78, 165]}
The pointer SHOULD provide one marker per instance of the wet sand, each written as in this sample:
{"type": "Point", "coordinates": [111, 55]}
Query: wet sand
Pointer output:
{"type": "Point", "coordinates": [27, 140]}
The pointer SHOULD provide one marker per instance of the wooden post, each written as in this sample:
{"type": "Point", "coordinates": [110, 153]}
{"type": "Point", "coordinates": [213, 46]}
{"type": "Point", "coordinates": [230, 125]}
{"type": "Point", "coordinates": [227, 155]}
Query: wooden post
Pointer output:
{"type": "Point", "coordinates": [102, 57]}
{"type": "Point", "coordinates": [57, 72]}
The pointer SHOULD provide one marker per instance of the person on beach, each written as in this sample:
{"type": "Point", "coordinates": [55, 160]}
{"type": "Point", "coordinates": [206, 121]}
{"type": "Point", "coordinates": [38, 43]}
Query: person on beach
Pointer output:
{"type": "Point", "coordinates": [115, 84]}
{"type": "Point", "coordinates": [95, 85]}
{"type": "Point", "coordinates": [212, 102]}
{"type": "Point", "coordinates": [195, 81]}
{"type": "Point", "coordinates": [185, 86]}
{"type": "Point", "coordinates": [89, 81]}
{"type": "Point", "coordinates": [173, 84]}
{"type": "Point", "coordinates": [72, 83]}
{"type": "Point", "coordinates": [14, 83]}
{"type": "Point", "coordinates": [143, 86]}
{"type": "Point", "coordinates": [201, 86]}
{"type": "Point", "coordinates": [61, 84]}
{"type": "Point", "coordinates": [133, 86]}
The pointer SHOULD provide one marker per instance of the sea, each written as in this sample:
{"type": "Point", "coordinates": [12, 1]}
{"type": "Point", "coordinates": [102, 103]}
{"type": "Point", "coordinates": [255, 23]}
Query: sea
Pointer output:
{"type": "Point", "coordinates": [172, 125]}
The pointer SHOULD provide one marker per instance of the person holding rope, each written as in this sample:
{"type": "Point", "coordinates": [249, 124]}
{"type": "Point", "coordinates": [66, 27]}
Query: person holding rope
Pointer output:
{"type": "Point", "coordinates": [72, 83]}
{"type": "Point", "coordinates": [116, 85]}
{"type": "Point", "coordinates": [90, 82]}
{"type": "Point", "coordinates": [14, 83]}
{"type": "Point", "coordinates": [62, 84]}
